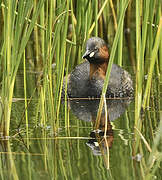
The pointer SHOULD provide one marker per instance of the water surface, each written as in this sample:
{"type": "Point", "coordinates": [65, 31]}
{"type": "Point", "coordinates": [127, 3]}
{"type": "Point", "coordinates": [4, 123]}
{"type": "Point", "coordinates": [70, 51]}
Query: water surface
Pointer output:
{"type": "Point", "coordinates": [77, 151]}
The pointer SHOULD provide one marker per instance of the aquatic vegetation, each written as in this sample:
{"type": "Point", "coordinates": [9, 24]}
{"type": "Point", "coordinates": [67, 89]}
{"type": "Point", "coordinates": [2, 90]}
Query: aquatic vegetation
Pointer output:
{"type": "Point", "coordinates": [47, 39]}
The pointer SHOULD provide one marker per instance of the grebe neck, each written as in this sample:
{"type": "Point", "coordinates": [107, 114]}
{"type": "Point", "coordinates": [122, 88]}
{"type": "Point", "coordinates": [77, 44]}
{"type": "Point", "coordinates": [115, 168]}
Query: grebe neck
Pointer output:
{"type": "Point", "coordinates": [98, 69]}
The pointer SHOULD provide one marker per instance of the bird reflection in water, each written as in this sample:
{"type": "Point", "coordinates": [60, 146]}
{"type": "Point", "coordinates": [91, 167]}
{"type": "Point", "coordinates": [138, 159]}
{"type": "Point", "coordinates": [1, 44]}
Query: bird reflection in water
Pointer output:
{"type": "Point", "coordinates": [86, 110]}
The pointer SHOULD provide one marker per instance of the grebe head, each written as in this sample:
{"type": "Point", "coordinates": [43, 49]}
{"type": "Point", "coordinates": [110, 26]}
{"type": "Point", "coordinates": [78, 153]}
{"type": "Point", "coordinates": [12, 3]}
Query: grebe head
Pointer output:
{"type": "Point", "coordinates": [96, 50]}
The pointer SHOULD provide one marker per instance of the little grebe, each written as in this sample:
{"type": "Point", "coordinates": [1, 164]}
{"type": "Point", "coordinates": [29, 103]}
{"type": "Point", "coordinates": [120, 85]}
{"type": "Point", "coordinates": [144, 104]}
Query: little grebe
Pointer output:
{"type": "Point", "coordinates": [87, 79]}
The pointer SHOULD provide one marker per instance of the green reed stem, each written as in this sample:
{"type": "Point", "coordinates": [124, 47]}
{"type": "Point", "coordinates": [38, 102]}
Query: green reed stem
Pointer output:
{"type": "Point", "coordinates": [153, 59]}
{"type": "Point", "coordinates": [120, 45]}
{"type": "Point", "coordinates": [66, 80]}
{"type": "Point", "coordinates": [7, 95]}
{"type": "Point", "coordinates": [114, 15]}
{"type": "Point", "coordinates": [62, 59]}
{"type": "Point", "coordinates": [99, 14]}
{"type": "Point", "coordinates": [138, 94]}
{"type": "Point", "coordinates": [42, 108]}
{"type": "Point", "coordinates": [96, 20]}
{"type": "Point", "coordinates": [16, 36]}
{"type": "Point", "coordinates": [160, 56]}
{"type": "Point", "coordinates": [49, 61]}
{"type": "Point", "coordinates": [26, 104]}
{"type": "Point", "coordinates": [112, 55]}
{"type": "Point", "coordinates": [114, 46]}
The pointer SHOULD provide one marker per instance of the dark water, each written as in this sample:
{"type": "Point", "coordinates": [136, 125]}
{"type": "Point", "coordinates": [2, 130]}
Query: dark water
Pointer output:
{"type": "Point", "coordinates": [78, 152]}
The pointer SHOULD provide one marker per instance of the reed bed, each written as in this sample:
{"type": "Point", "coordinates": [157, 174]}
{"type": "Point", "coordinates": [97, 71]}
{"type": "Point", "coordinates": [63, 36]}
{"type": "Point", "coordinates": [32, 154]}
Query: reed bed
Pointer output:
{"type": "Point", "coordinates": [58, 31]}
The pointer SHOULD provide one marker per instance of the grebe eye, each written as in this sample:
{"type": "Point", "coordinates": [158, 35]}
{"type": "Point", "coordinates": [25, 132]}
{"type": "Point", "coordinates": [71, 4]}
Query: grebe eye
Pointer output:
{"type": "Point", "coordinates": [96, 48]}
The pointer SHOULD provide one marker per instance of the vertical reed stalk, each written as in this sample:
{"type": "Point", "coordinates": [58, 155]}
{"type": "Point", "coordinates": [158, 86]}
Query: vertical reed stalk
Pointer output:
{"type": "Point", "coordinates": [120, 44]}
{"type": "Point", "coordinates": [99, 14]}
{"type": "Point", "coordinates": [26, 104]}
{"type": "Point", "coordinates": [114, 15]}
{"type": "Point", "coordinates": [138, 94]}
{"type": "Point", "coordinates": [112, 55]}
{"type": "Point", "coordinates": [16, 36]}
{"type": "Point", "coordinates": [153, 57]}
{"type": "Point", "coordinates": [61, 61]}
{"type": "Point", "coordinates": [7, 95]}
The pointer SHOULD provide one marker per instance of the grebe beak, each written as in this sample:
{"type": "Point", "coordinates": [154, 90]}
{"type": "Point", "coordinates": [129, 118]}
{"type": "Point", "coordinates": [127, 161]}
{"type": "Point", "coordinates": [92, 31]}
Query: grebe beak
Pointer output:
{"type": "Point", "coordinates": [88, 53]}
